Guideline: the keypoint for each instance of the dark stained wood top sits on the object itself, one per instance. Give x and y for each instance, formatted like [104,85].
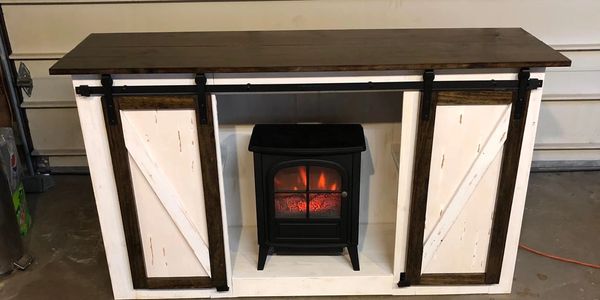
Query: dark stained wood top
[304,51]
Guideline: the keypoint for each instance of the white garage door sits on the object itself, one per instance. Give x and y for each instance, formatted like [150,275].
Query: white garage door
[40,31]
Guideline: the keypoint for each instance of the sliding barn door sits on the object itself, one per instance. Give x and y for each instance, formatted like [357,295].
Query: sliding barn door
[165,169]
[466,162]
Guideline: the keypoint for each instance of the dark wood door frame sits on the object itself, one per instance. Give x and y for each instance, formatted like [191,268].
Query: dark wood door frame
[504,198]
[122,172]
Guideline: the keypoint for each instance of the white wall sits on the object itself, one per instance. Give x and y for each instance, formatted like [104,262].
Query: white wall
[41,31]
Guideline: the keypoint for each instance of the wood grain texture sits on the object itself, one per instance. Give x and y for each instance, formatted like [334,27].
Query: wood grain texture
[506,190]
[474,97]
[466,190]
[420,184]
[167,193]
[504,197]
[155,102]
[179,282]
[307,51]
[121,169]
[129,216]
[212,198]
[452,279]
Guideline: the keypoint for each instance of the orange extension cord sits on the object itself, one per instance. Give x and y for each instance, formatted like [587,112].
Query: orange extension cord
[563,259]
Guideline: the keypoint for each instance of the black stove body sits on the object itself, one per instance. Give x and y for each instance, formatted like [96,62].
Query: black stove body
[307,180]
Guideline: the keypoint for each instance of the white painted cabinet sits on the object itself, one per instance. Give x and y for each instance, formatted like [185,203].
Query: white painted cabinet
[160,137]
[442,181]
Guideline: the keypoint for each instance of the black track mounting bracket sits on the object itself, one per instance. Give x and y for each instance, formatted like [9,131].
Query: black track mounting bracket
[83,90]
[107,99]
[404,282]
[201,99]
[522,91]
[222,288]
[428,77]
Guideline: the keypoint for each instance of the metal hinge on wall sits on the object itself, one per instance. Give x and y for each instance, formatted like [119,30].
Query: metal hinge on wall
[24,80]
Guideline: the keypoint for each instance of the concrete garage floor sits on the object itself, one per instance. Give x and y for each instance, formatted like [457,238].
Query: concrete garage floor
[562,216]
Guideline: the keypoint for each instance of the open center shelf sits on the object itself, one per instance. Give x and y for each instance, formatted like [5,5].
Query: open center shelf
[376,252]
[314,274]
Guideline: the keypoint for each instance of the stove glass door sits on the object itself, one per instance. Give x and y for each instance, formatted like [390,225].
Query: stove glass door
[316,196]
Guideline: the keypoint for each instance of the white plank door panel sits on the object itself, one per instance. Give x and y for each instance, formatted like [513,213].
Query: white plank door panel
[464,245]
[467,141]
[166,250]
[107,199]
[156,141]
[485,154]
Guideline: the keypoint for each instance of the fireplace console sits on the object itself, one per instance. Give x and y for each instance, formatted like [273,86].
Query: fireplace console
[449,117]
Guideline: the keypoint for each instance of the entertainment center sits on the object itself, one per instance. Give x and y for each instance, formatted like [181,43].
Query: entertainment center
[433,129]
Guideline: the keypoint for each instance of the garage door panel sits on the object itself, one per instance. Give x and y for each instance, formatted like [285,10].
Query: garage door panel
[48,91]
[41,31]
[52,29]
[68,162]
[578,80]
[55,129]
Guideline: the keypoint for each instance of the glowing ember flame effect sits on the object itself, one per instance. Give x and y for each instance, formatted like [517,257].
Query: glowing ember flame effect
[290,205]
[291,179]
[303,176]
[297,179]
[324,205]
[321,183]
[321,205]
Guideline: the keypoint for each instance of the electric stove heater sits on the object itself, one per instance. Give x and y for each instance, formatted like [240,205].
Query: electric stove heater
[307,188]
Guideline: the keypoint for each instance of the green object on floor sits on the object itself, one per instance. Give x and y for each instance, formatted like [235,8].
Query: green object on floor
[21,209]
[11,167]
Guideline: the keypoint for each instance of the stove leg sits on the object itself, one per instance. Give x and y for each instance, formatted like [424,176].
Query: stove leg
[263,251]
[353,252]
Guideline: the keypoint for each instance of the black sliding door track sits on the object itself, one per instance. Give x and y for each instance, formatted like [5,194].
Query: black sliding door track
[85,90]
